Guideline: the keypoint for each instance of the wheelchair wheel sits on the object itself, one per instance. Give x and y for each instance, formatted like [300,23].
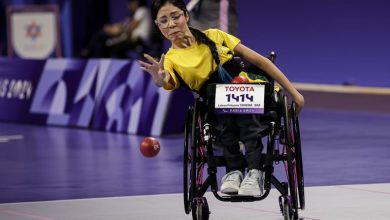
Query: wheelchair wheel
[298,156]
[188,180]
[286,210]
[190,157]
[186,159]
[200,209]
[290,160]
[286,207]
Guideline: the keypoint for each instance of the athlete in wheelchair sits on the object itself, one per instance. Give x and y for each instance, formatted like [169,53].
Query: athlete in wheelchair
[279,124]
[204,62]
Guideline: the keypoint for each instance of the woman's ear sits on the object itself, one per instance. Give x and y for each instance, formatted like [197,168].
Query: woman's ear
[187,15]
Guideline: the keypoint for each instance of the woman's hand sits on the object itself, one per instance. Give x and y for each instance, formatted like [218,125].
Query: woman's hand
[299,101]
[155,69]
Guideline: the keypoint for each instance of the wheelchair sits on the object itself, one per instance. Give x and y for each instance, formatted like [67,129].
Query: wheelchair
[283,145]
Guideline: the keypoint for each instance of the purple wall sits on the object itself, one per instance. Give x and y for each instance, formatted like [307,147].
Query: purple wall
[322,41]
[327,41]
[117,10]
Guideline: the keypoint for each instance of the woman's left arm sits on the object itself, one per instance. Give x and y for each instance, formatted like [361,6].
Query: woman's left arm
[274,72]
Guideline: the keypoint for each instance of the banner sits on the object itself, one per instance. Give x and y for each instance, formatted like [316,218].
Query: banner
[18,80]
[33,31]
[104,94]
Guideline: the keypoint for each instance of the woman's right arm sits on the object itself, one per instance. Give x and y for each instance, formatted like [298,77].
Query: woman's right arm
[156,69]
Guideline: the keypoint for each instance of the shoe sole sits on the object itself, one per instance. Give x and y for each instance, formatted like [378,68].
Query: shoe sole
[248,193]
[230,191]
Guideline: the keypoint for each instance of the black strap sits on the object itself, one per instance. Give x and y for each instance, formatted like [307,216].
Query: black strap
[233,67]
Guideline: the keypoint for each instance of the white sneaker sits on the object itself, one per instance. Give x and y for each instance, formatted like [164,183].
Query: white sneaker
[252,185]
[231,182]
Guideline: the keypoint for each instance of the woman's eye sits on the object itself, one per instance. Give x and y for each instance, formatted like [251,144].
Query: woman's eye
[163,21]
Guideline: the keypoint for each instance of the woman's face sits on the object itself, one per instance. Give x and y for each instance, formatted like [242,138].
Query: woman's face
[172,22]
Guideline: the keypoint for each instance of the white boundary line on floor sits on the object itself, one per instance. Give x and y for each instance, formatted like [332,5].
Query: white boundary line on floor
[7,138]
[342,89]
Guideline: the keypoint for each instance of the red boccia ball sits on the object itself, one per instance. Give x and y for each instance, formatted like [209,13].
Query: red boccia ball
[240,79]
[149,147]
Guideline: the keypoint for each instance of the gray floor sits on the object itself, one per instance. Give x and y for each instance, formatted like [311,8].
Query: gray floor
[342,202]
[79,174]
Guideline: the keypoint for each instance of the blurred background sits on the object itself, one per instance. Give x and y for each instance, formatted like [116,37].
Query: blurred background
[69,65]
[326,41]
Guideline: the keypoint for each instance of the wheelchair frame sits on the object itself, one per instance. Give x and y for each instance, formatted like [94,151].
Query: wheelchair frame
[198,151]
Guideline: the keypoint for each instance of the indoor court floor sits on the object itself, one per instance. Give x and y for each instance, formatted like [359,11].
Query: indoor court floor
[59,173]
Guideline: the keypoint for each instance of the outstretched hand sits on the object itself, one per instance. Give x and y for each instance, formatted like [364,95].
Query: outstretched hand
[156,69]
[299,101]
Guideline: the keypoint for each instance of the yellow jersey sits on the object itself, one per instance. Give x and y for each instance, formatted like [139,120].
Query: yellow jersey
[195,64]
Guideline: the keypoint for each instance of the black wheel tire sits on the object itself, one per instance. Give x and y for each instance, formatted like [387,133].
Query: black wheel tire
[190,145]
[200,209]
[298,157]
[290,163]
[186,158]
[286,210]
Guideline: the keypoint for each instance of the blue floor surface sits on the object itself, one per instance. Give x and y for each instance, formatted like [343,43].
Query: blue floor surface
[51,163]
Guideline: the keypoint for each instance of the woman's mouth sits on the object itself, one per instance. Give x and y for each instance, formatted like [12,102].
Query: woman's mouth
[174,34]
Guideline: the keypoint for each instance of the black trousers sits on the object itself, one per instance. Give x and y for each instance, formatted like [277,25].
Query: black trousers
[244,128]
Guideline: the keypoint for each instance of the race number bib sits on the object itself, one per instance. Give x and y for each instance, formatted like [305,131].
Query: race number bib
[239,98]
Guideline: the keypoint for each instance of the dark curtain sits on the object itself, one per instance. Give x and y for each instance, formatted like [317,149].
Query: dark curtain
[88,16]
[3,39]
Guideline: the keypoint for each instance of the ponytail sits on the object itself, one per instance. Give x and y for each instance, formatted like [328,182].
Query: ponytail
[200,37]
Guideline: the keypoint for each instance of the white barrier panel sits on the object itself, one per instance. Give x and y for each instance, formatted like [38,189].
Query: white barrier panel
[33,31]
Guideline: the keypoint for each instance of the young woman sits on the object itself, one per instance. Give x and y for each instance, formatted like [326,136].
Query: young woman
[192,62]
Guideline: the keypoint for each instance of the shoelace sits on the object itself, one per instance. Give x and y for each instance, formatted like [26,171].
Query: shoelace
[233,177]
[252,179]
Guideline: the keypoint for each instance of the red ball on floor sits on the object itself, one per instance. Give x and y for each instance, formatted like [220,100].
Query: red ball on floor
[149,147]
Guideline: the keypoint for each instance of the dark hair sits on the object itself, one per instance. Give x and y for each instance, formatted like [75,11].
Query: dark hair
[158,4]
[200,37]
